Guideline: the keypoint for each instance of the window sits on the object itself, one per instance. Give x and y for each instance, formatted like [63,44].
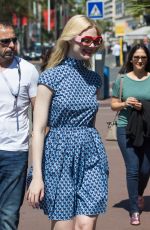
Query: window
[119,8]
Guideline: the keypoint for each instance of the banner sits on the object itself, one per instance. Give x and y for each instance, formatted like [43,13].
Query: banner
[52,19]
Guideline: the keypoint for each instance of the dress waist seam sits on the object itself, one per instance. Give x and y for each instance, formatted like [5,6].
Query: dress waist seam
[75,128]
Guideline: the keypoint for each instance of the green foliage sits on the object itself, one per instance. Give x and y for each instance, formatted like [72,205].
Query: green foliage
[137,7]
[19,7]
[106,26]
[80,7]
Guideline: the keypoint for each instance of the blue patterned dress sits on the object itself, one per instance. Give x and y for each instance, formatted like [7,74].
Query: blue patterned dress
[75,168]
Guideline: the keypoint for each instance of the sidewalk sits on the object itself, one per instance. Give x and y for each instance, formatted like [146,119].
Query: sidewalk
[116,217]
[105,102]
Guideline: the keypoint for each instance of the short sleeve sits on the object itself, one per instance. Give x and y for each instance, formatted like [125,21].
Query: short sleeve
[33,82]
[116,88]
[50,78]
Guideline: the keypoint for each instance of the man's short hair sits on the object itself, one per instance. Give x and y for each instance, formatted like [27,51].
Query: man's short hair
[6,24]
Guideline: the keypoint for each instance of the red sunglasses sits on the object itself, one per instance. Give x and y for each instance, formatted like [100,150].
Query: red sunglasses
[88,40]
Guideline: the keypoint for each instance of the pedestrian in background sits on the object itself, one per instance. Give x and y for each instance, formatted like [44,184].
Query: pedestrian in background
[17,89]
[116,53]
[70,170]
[146,42]
[135,148]
[124,51]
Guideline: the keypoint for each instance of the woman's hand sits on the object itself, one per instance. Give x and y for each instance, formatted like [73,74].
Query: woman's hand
[133,102]
[138,106]
[35,192]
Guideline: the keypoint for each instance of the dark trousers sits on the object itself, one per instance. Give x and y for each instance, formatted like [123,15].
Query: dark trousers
[117,60]
[13,169]
[137,162]
[124,57]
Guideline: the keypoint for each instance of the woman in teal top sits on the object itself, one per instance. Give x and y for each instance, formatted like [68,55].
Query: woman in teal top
[135,88]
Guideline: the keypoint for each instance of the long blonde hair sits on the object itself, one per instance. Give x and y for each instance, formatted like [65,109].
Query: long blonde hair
[75,26]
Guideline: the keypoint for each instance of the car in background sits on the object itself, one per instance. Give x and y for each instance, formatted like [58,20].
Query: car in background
[26,54]
[37,50]
[33,54]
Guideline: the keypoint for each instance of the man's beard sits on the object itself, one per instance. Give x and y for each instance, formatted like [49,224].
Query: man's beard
[7,55]
[6,58]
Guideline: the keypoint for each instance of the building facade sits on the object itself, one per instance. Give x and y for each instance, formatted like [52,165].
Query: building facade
[115,12]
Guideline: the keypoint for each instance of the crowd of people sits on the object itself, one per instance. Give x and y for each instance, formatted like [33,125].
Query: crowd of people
[121,49]
[69,174]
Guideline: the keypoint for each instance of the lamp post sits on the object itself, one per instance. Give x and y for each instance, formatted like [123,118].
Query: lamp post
[49,15]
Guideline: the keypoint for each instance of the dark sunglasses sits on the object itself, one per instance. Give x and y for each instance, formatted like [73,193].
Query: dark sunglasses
[136,58]
[7,41]
[88,40]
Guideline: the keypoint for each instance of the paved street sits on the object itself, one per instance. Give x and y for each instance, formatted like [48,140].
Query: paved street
[116,217]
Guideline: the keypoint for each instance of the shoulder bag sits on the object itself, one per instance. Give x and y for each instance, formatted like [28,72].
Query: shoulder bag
[112,125]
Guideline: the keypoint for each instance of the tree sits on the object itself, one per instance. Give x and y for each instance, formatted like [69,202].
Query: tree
[81,6]
[20,8]
[137,7]
[106,26]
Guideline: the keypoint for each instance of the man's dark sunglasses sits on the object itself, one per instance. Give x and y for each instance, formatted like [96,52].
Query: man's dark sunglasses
[7,41]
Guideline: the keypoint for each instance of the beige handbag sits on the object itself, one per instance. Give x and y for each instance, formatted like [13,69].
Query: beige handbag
[112,130]
[112,125]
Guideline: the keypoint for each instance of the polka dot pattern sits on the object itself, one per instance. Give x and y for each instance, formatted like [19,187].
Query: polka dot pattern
[75,167]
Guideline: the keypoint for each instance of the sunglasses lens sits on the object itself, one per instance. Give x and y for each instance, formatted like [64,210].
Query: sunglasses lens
[4,41]
[98,41]
[8,40]
[89,40]
[86,41]
[143,58]
[14,40]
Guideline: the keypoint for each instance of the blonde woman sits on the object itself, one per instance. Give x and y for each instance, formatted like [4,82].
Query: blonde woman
[70,170]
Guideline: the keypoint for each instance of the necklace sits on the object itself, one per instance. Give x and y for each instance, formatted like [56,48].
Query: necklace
[14,94]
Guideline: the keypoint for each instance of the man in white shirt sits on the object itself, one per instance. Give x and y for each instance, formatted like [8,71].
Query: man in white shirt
[116,53]
[17,90]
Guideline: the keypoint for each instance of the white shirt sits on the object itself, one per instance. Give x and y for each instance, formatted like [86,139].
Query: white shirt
[12,139]
[116,50]
[125,49]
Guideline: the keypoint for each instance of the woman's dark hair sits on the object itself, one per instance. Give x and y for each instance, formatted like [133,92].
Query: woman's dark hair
[128,66]
[46,53]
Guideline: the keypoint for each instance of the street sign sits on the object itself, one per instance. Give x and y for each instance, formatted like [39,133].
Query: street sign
[95,9]
[120,29]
